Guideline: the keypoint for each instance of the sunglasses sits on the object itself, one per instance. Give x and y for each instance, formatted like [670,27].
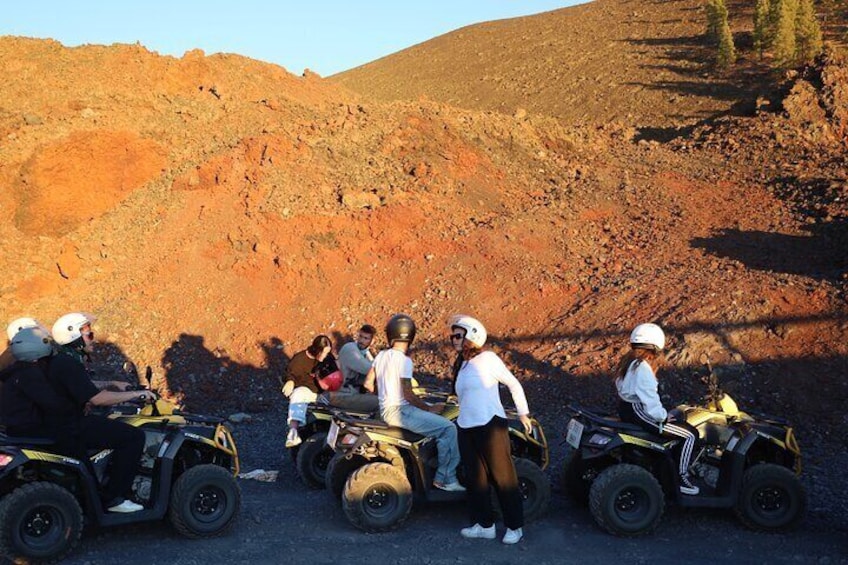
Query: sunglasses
[457,336]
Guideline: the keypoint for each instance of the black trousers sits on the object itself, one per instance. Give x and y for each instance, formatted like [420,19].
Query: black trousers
[486,456]
[635,414]
[127,443]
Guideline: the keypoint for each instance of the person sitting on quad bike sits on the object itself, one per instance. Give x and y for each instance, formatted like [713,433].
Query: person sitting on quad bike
[77,431]
[355,359]
[71,343]
[400,407]
[7,358]
[28,398]
[639,402]
[310,372]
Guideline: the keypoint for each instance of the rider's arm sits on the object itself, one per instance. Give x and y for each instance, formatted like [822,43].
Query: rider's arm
[646,390]
[352,360]
[410,396]
[369,380]
[505,377]
[108,397]
[120,385]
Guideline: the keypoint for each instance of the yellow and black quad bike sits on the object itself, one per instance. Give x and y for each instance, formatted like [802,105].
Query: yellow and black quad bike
[378,470]
[313,455]
[746,462]
[187,471]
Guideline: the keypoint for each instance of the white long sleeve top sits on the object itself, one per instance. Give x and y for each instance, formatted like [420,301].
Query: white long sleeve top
[640,385]
[477,390]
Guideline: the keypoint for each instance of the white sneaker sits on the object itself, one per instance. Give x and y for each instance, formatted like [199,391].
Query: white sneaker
[478,532]
[293,438]
[513,536]
[126,507]
[450,487]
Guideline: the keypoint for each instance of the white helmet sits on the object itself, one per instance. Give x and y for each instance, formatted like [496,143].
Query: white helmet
[21,323]
[67,328]
[474,330]
[648,335]
[31,344]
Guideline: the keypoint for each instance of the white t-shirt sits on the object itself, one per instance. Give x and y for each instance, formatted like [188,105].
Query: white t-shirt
[640,385]
[477,390]
[390,366]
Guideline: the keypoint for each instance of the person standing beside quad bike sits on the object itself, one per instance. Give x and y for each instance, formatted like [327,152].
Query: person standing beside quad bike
[639,402]
[400,407]
[310,372]
[78,431]
[484,443]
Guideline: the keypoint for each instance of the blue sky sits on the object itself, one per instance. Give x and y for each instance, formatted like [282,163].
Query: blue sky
[324,36]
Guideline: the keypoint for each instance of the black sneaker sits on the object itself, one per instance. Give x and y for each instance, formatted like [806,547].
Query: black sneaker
[686,487]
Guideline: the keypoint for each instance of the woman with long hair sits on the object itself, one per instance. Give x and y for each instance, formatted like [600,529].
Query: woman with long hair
[639,401]
[305,381]
[483,431]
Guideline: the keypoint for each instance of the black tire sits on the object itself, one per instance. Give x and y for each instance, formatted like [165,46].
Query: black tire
[626,500]
[377,497]
[205,502]
[573,483]
[772,498]
[534,487]
[338,471]
[312,460]
[39,522]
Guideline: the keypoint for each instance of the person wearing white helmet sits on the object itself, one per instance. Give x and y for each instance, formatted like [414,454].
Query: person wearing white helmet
[82,431]
[483,431]
[391,374]
[639,401]
[29,404]
[74,335]
[6,358]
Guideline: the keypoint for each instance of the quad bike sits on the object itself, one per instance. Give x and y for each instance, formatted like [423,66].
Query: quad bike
[378,469]
[313,455]
[746,462]
[187,471]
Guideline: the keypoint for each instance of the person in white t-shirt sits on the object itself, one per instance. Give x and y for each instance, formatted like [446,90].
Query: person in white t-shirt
[483,431]
[400,407]
[639,401]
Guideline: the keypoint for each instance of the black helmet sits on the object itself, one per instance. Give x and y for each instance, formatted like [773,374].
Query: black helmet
[400,327]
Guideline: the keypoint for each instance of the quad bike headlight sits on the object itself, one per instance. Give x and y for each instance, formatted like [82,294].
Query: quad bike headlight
[5,459]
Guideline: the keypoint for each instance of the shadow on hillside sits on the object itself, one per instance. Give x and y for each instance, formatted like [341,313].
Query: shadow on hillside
[820,255]
[693,75]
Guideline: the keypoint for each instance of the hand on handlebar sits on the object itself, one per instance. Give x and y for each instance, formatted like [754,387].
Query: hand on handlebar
[147,396]
[527,423]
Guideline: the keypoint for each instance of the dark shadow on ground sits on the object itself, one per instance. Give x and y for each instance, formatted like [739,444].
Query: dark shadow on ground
[821,255]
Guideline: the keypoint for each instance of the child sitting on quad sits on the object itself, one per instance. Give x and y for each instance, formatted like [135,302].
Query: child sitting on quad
[639,402]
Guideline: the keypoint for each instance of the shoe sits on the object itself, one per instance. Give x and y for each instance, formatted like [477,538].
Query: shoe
[449,487]
[686,487]
[293,438]
[513,536]
[478,532]
[126,507]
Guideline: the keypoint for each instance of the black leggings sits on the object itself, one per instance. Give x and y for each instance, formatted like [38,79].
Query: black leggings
[487,458]
[127,443]
[634,413]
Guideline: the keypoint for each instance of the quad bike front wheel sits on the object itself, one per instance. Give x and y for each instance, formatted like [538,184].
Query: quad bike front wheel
[626,500]
[534,487]
[772,498]
[377,497]
[205,501]
[39,522]
[312,460]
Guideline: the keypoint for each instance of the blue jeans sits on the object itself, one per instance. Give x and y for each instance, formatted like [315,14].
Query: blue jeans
[432,425]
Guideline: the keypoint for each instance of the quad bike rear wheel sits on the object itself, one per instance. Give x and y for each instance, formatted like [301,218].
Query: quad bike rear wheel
[205,501]
[312,460]
[626,500]
[338,470]
[39,522]
[377,497]
[771,499]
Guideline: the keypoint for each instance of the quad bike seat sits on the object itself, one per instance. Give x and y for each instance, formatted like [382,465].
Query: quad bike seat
[382,427]
[25,441]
